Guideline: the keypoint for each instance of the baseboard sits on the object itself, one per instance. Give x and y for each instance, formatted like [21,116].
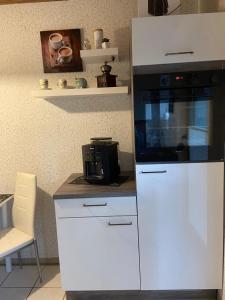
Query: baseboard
[143,295]
[32,261]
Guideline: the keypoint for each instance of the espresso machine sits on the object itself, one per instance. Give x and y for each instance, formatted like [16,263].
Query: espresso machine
[100,161]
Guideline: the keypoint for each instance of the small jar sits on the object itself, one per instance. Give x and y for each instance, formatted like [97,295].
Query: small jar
[62,83]
[98,36]
[43,84]
[80,83]
[86,45]
[105,45]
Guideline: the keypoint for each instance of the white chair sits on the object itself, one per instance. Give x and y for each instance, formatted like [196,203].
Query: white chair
[21,235]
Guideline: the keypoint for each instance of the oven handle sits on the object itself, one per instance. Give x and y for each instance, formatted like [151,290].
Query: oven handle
[94,205]
[179,53]
[153,172]
[120,224]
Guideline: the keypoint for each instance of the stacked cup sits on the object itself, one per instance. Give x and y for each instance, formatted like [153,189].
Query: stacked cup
[43,84]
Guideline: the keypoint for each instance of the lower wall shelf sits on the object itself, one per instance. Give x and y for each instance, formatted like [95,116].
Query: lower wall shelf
[63,93]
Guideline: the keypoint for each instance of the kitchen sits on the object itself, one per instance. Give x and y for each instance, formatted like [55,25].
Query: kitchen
[44,137]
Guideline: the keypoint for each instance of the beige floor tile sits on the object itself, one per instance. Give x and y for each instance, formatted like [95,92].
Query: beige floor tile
[46,294]
[3,274]
[22,278]
[51,277]
[14,293]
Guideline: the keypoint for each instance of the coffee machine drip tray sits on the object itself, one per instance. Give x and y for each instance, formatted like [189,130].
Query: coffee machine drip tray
[82,181]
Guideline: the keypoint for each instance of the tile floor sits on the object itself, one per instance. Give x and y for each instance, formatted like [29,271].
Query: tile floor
[24,284]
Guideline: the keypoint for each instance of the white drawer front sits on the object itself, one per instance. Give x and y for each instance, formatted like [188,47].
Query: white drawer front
[92,207]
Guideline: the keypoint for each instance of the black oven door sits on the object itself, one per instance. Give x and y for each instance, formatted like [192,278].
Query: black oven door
[179,117]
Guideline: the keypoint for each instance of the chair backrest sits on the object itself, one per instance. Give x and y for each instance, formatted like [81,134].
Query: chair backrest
[23,210]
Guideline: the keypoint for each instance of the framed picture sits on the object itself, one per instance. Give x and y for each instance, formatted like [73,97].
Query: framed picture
[61,51]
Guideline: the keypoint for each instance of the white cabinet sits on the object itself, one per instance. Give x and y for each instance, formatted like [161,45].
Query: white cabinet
[180,216]
[98,251]
[178,39]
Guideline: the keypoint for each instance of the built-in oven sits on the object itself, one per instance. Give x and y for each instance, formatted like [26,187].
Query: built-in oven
[179,117]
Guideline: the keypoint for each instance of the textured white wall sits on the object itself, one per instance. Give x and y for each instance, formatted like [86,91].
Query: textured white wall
[44,137]
[204,6]
[221,5]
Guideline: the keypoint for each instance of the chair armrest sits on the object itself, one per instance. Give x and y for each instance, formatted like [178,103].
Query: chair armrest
[6,201]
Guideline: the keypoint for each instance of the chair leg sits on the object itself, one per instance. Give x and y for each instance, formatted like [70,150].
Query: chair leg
[20,259]
[8,264]
[37,259]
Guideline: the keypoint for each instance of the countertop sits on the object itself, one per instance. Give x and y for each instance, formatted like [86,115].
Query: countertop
[68,190]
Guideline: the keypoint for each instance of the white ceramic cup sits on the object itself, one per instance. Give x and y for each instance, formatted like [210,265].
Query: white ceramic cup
[56,40]
[65,55]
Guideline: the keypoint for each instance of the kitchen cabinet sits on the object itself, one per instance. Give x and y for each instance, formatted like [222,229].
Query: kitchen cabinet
[180,221]
[178,39]
[98,243]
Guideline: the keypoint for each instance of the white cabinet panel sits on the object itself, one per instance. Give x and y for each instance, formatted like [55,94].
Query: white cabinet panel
[89,207]
[166,39]
[97,254]
[180,215]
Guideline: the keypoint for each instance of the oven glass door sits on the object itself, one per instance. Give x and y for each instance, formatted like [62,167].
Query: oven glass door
[179,124]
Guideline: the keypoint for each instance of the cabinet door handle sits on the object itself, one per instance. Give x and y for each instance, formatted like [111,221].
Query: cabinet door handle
[120,224]
[153,172]
[94,205]
[179,53]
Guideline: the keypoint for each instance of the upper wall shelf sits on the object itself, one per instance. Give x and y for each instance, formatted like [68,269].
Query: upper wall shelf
[95,56]
[63,93]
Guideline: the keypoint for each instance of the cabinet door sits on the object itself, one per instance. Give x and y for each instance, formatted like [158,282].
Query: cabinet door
[180,215]
[99,253]
[178,39]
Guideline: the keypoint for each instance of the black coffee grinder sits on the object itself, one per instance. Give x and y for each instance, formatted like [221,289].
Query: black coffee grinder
[106,79]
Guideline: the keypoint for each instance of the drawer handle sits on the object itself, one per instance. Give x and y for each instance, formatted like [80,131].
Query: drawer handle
[120,224]
[153,172]
[179,53]
[94,205]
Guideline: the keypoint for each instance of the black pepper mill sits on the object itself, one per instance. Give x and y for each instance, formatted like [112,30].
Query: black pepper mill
[106,79]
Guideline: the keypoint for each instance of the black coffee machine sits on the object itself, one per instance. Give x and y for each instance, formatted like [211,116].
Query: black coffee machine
[100,161]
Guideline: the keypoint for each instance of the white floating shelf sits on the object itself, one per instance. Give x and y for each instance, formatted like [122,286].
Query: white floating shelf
[95,56]
[63,93]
